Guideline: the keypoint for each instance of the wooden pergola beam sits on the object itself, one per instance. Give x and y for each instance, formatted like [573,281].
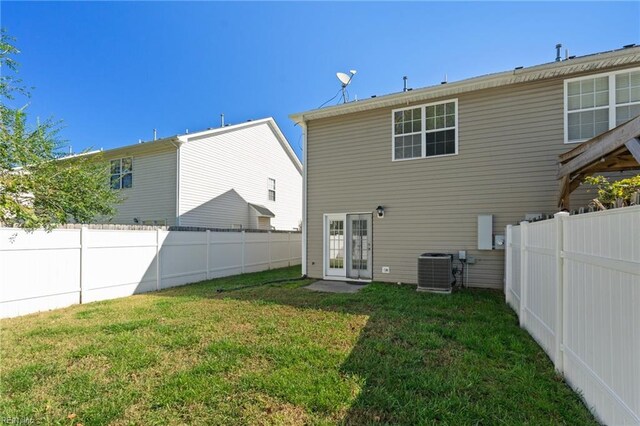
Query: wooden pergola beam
[634,148]
[615,150]
[611,141]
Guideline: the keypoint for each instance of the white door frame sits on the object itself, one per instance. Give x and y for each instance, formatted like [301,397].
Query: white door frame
[336,275]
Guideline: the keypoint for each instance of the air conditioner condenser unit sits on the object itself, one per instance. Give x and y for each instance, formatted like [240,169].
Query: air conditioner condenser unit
[435,272]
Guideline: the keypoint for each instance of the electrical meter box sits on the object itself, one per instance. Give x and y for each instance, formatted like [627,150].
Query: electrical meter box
[485,232]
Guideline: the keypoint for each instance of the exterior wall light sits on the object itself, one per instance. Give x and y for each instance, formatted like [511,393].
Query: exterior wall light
[380,211]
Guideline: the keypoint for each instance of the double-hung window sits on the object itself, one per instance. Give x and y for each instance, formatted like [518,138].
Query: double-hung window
[122,173]
[271,189]
[422,131]
[599,103]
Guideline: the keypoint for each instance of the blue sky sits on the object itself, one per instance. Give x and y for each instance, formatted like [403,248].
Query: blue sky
[115,71]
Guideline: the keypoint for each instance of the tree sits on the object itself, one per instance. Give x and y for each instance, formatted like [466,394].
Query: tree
[618,193]
[39,187]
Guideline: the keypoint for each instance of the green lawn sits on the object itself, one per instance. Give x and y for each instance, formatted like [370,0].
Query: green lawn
[280,354]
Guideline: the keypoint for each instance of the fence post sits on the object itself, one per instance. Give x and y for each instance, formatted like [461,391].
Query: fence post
[83,259]
[158,269]
[559,243]
[508,267]
[208,236]
[243,249]
[523,272]
[289,247]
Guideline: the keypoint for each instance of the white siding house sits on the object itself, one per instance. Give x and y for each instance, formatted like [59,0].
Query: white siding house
[244,175]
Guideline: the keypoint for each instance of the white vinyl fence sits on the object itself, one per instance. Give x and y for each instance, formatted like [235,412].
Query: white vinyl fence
[575,283]
[46,270]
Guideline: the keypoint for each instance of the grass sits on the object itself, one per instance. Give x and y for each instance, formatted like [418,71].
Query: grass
[280,354]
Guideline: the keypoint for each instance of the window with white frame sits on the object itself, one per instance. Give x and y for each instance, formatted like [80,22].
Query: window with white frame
[122,173]
[271,189]
[425,131]
[598,103]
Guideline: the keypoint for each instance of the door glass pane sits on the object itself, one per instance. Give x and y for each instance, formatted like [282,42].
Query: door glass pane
[359,244]
[336,244]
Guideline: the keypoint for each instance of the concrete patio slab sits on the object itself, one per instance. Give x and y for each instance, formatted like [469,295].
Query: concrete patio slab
[336,286]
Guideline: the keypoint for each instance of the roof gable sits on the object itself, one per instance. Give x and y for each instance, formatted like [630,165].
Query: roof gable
[175,141]
[273,126]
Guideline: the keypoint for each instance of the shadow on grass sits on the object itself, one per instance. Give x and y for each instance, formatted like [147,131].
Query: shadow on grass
[282,354]
[422,358]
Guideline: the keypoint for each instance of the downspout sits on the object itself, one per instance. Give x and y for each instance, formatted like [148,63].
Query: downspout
[303,126]
[177,143]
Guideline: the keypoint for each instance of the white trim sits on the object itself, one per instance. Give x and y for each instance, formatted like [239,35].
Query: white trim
[612,100]
[357,280]
[423,132]
[303,126]
[178,159]
[325,257]
[285,144]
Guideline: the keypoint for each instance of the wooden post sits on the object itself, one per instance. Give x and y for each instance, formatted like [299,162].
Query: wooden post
[565,193]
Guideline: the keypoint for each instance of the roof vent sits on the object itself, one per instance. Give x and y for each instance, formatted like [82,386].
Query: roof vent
[519,68]
[558,47]
[626,46]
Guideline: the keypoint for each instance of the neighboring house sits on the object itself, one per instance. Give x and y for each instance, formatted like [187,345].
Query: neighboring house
[439,160]
[240,176]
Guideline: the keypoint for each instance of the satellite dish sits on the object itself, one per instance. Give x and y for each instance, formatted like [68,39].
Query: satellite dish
[344,78]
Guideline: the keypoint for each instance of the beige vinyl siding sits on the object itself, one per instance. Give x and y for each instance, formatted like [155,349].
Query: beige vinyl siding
[509,141]
[153,194]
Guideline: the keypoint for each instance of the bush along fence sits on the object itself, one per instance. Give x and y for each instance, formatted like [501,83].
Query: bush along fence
[574,282]
[46,270]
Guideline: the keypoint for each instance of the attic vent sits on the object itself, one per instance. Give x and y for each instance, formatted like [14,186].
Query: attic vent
[435,273]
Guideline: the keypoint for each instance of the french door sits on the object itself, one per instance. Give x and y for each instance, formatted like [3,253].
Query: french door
[348,246]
